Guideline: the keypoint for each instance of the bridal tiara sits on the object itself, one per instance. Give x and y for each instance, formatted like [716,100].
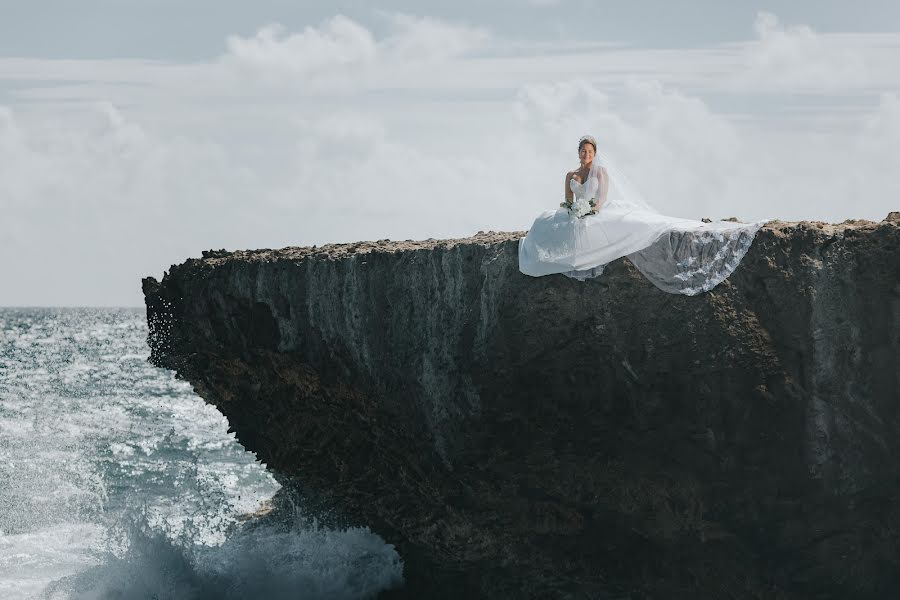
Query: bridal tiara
[588,138]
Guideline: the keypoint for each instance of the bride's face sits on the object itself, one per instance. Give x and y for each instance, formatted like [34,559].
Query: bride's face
[586,154]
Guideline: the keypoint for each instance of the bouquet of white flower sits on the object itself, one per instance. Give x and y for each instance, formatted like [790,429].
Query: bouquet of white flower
[579,208]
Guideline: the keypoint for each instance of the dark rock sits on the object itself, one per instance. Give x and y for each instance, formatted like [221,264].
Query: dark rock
[215,253]
[523,437]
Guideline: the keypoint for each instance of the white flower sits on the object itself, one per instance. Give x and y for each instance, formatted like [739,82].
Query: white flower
[580,208]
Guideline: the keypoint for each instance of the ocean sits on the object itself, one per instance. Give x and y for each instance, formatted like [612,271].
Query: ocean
[117,481]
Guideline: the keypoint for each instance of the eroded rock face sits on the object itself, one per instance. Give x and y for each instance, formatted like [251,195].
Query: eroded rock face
[543,437]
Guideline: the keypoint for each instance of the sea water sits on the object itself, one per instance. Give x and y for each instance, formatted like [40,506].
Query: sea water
[118,481]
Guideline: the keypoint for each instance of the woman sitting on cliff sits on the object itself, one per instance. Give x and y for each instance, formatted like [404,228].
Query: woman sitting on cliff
[603,219]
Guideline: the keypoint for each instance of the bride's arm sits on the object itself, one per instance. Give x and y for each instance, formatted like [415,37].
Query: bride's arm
[603,190]
[569,176]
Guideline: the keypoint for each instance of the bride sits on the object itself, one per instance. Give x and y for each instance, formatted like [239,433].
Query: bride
[677,255]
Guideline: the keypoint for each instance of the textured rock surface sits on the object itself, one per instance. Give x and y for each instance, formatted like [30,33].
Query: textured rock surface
[543,437]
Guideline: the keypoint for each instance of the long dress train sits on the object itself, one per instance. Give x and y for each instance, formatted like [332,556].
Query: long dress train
[677,255]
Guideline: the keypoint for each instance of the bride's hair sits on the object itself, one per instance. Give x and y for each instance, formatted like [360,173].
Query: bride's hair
[587,139]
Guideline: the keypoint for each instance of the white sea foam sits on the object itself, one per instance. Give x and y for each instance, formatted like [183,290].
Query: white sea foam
[30,562]
[258,562]
[119,482]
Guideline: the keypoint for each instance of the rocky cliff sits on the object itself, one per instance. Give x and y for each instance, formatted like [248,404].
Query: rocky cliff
[543,437]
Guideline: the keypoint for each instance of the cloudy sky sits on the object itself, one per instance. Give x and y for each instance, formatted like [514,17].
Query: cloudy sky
[137,133]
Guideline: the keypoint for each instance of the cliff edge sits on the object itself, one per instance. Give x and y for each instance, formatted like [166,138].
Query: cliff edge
[543,437]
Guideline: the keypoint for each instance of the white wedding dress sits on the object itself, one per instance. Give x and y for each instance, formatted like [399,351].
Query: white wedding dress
[677,255]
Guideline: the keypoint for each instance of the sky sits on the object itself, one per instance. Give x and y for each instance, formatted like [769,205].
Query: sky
[135,134]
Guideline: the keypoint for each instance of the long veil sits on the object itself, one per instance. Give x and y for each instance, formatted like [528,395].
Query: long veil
[621,191]
[681,256]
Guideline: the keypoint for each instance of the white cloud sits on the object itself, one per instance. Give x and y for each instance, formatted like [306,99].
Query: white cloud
[796,57]
[112,170]
[429,39]
[872,160]
[882,127]
[337,49]
[90,204]
[343,54]
[559,102]
[689,161]
[350,131]
[111,200]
